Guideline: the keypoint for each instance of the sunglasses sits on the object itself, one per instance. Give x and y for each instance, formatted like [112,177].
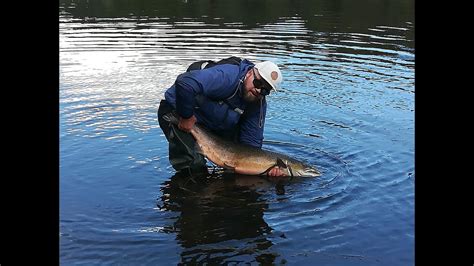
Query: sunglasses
[261,84]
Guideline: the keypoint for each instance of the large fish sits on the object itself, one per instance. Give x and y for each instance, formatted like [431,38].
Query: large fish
[243,159]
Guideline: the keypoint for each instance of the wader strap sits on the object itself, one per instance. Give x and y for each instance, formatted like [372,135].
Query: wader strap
[235,108]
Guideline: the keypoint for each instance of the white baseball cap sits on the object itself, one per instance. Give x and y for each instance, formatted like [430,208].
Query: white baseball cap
[271,73]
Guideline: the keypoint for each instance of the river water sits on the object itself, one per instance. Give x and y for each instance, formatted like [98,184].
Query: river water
[347,106]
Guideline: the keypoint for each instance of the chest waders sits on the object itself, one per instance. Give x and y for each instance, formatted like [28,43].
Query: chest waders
[182,154]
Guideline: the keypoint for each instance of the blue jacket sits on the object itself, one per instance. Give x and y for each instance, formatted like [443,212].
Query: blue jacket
[202,93]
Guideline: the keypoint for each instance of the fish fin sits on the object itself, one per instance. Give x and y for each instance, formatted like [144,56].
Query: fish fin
[280,163]
[198,149]
[228,166]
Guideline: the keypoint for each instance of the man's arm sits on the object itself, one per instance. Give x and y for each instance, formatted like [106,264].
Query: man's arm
[187,88]
[213,82]
[251,131]
[251,128]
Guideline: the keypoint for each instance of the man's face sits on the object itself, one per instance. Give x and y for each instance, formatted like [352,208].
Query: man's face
[251,94]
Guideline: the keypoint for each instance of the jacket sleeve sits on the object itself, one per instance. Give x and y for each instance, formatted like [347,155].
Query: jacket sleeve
[251,130]
[215,83]
[186,89]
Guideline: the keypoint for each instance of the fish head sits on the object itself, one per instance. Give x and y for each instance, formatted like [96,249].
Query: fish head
[302,169]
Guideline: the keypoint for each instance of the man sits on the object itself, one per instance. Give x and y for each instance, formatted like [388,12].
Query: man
[228,98]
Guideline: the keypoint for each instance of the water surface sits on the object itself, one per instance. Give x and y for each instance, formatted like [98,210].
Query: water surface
[347,106]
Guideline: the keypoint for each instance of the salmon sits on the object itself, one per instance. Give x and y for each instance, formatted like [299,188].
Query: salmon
[243,159]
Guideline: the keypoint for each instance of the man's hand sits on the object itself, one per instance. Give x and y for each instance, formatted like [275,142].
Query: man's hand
[187,124]
[276,171]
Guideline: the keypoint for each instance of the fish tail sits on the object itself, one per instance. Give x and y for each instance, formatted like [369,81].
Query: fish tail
[171,117]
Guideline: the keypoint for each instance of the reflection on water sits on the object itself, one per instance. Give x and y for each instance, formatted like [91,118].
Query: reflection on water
[347,106]
[215,213]
[221,216]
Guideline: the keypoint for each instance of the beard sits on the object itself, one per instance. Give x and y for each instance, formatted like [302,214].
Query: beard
[249,97]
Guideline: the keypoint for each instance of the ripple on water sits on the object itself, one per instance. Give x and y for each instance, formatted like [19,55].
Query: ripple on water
[346,107]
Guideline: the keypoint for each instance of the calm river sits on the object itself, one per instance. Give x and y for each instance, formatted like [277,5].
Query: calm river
[347,106]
